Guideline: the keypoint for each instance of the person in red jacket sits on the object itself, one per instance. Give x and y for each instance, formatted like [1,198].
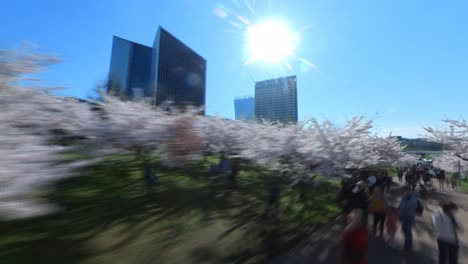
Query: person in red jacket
[355,239]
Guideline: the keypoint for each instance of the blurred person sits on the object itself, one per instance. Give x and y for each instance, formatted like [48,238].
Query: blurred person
[387,181]
[413,179]
[149,177]
[371,181]
[407,212]
[234,171]
[400,174]
[378,208]
[423,191]
[441,178]
[224,166]
[454,180]
[380,181]
[344,195]
[360,199]
[274,190]
[355,239]
[446,229]
[448,180]
[406,176]
[391,225]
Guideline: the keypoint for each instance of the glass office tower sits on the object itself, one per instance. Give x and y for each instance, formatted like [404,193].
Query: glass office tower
[178,73]
[169,71]
[130,68]
[276,99]
[244,107]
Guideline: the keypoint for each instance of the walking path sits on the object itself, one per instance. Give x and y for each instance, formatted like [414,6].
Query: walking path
[324,248]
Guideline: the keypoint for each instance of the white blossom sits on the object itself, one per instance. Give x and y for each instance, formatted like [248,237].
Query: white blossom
[30,119]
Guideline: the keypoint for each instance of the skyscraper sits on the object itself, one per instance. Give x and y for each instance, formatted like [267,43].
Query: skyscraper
[276,99]
[178,73]
[169,71]
[244,107]
[130,68]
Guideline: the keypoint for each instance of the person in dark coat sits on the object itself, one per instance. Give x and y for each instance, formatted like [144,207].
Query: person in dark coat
[360,199]
[400,174]
[234,171]
[344,196]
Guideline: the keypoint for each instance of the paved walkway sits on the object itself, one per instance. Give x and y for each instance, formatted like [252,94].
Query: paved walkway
[324,248]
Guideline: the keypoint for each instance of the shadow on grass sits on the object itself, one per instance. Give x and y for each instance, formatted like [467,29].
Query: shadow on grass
[111,197]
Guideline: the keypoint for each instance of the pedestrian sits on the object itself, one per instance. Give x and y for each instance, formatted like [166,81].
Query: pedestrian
[454,180]
[224,167]
[149,177]
[400,174]
[388,180]
[407,210]
[446,230]
[234,172]
[371,181]
[344,195]
[355,239]
[274,189]
[391,225]
[448,180]
[380,181]
[359,199]
[441,178]
[378,208]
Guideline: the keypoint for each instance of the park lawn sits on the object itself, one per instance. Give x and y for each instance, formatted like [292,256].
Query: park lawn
[189,218]
[464,186]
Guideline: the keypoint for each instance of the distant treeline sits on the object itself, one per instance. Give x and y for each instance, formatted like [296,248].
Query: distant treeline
[420,144]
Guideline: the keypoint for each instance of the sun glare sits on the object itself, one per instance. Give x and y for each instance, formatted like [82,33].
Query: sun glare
[270,41]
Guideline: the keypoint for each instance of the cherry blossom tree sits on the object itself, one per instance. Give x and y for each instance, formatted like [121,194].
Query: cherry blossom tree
[407,160]
[449,162]
[138,127]
[453,135]
[27,120]
[30,119]
[308,147]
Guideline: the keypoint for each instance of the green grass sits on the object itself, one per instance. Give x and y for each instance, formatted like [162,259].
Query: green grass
[189,218]
[464,186]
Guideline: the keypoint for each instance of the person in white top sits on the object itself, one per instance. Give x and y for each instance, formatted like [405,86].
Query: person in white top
[446,229]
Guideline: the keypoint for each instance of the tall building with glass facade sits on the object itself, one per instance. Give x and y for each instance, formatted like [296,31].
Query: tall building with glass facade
[276,99]
[244,107]
[130,68]
[178,73]
[169,71]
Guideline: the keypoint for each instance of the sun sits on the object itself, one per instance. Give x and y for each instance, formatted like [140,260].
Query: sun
[270,41]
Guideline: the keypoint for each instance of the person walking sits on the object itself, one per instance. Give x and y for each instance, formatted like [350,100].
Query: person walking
[391,224]
[345,194]
[407,210]
[224,167]
[274,190]
[388,181]
[149,177]
[371,181]
[405,175]
[454,180]
[446,229]
[359,199]
[235,168]
[378,208]
[441,178]
[355,239]
[400,174]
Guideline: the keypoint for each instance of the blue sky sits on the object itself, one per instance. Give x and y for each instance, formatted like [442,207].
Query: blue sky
[402,62]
